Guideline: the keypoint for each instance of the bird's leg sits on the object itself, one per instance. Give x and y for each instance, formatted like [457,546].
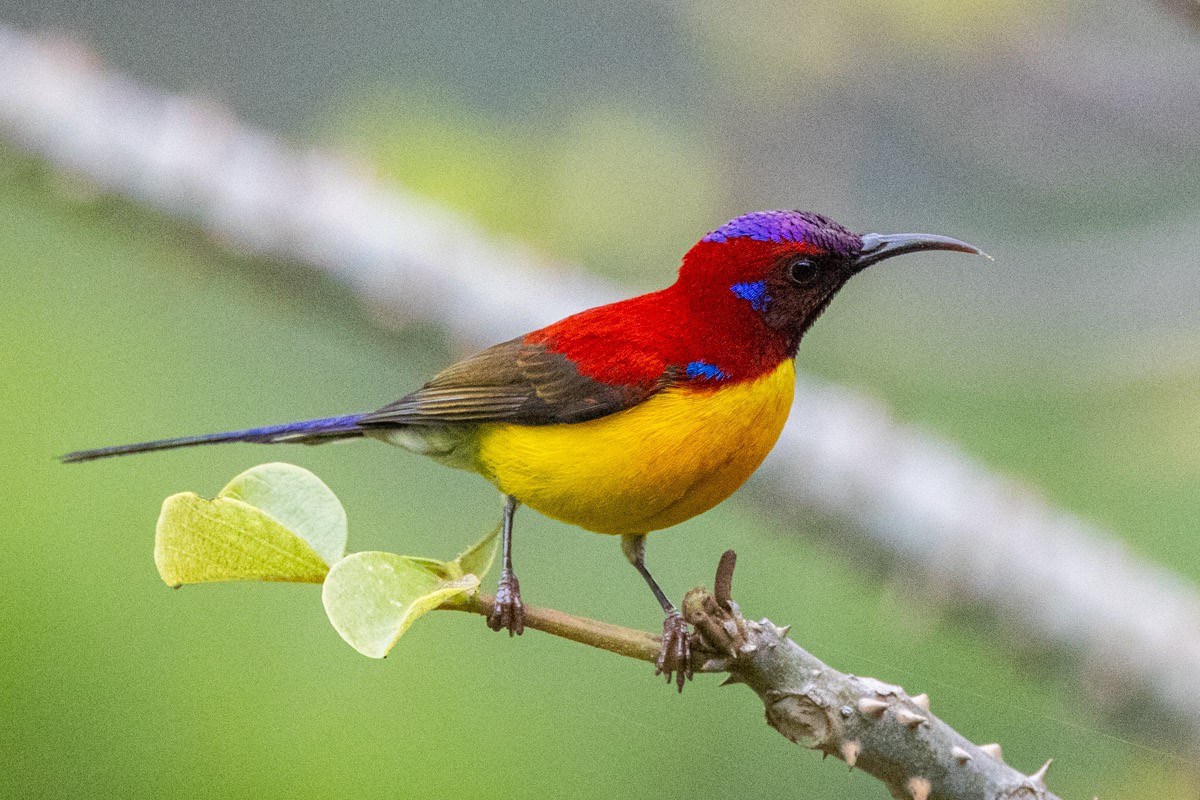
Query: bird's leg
[508,610]
[675,655]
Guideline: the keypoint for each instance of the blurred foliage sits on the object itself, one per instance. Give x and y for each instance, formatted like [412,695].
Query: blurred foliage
[799,46]
[610,185]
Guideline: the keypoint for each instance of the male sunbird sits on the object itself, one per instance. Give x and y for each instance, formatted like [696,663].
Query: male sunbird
[634,416]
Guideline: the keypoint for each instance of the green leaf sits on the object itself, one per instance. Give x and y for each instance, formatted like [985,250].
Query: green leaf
[446,570]
[200,540]
[275,522]
[298,500]
[372,598]
[478,558]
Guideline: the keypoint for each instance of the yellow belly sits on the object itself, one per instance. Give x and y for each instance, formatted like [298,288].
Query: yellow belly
[655,465]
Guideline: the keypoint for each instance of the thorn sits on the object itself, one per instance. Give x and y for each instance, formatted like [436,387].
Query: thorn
[723,583]
[922,701]
[993,750]
[731,679]
[754,626]
[1039,777]
[871,707]
[748,648]
[909,719]
[714,665]
[919,788]
[960,755]
[783,630]
[850,751]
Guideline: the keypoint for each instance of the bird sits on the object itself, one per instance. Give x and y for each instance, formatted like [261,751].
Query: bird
[630,417]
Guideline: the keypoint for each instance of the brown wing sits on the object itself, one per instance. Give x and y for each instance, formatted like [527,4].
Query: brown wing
[512,382]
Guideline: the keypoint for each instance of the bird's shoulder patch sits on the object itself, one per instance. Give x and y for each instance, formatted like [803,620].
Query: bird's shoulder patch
[704,371]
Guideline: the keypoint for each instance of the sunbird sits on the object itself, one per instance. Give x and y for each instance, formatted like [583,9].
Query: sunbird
[630,417]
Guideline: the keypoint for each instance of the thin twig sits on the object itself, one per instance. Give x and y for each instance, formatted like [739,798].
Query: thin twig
[615,639]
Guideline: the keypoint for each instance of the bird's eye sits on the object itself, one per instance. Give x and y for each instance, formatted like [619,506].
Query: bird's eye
[803,271]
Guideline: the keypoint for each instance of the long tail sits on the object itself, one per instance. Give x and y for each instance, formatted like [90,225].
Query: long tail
[313,431]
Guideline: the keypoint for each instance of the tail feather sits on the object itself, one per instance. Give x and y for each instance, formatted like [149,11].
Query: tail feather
[313,431]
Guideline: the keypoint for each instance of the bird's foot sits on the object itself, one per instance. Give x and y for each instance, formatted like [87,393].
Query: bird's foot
[508,611]
[675,656]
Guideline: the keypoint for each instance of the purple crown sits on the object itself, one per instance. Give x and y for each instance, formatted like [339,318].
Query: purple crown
[789,226]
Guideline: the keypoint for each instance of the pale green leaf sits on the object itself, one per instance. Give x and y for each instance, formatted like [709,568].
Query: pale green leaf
[298,500]
[478,558]
[200,540]
[372,598]
[446,570]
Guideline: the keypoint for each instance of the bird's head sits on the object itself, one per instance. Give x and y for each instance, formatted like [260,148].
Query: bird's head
[786,266]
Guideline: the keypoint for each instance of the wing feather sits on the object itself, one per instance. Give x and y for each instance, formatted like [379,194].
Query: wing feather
[515,381]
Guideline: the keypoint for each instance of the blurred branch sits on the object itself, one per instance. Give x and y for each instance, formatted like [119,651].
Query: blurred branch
[871,725]
[946,518]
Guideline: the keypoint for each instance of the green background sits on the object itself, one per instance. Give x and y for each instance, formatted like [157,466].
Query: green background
[1070,363]
[118,686]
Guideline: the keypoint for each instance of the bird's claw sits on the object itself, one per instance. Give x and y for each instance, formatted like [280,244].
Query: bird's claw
[508,611]
[675,656]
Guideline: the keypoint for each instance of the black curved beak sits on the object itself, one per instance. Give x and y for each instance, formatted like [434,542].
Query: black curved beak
[878,246]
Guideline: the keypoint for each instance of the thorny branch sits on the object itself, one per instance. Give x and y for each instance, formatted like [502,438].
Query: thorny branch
[871,725]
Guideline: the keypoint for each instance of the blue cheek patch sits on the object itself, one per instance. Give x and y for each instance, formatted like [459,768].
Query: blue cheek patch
[755,292]
[702,369]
